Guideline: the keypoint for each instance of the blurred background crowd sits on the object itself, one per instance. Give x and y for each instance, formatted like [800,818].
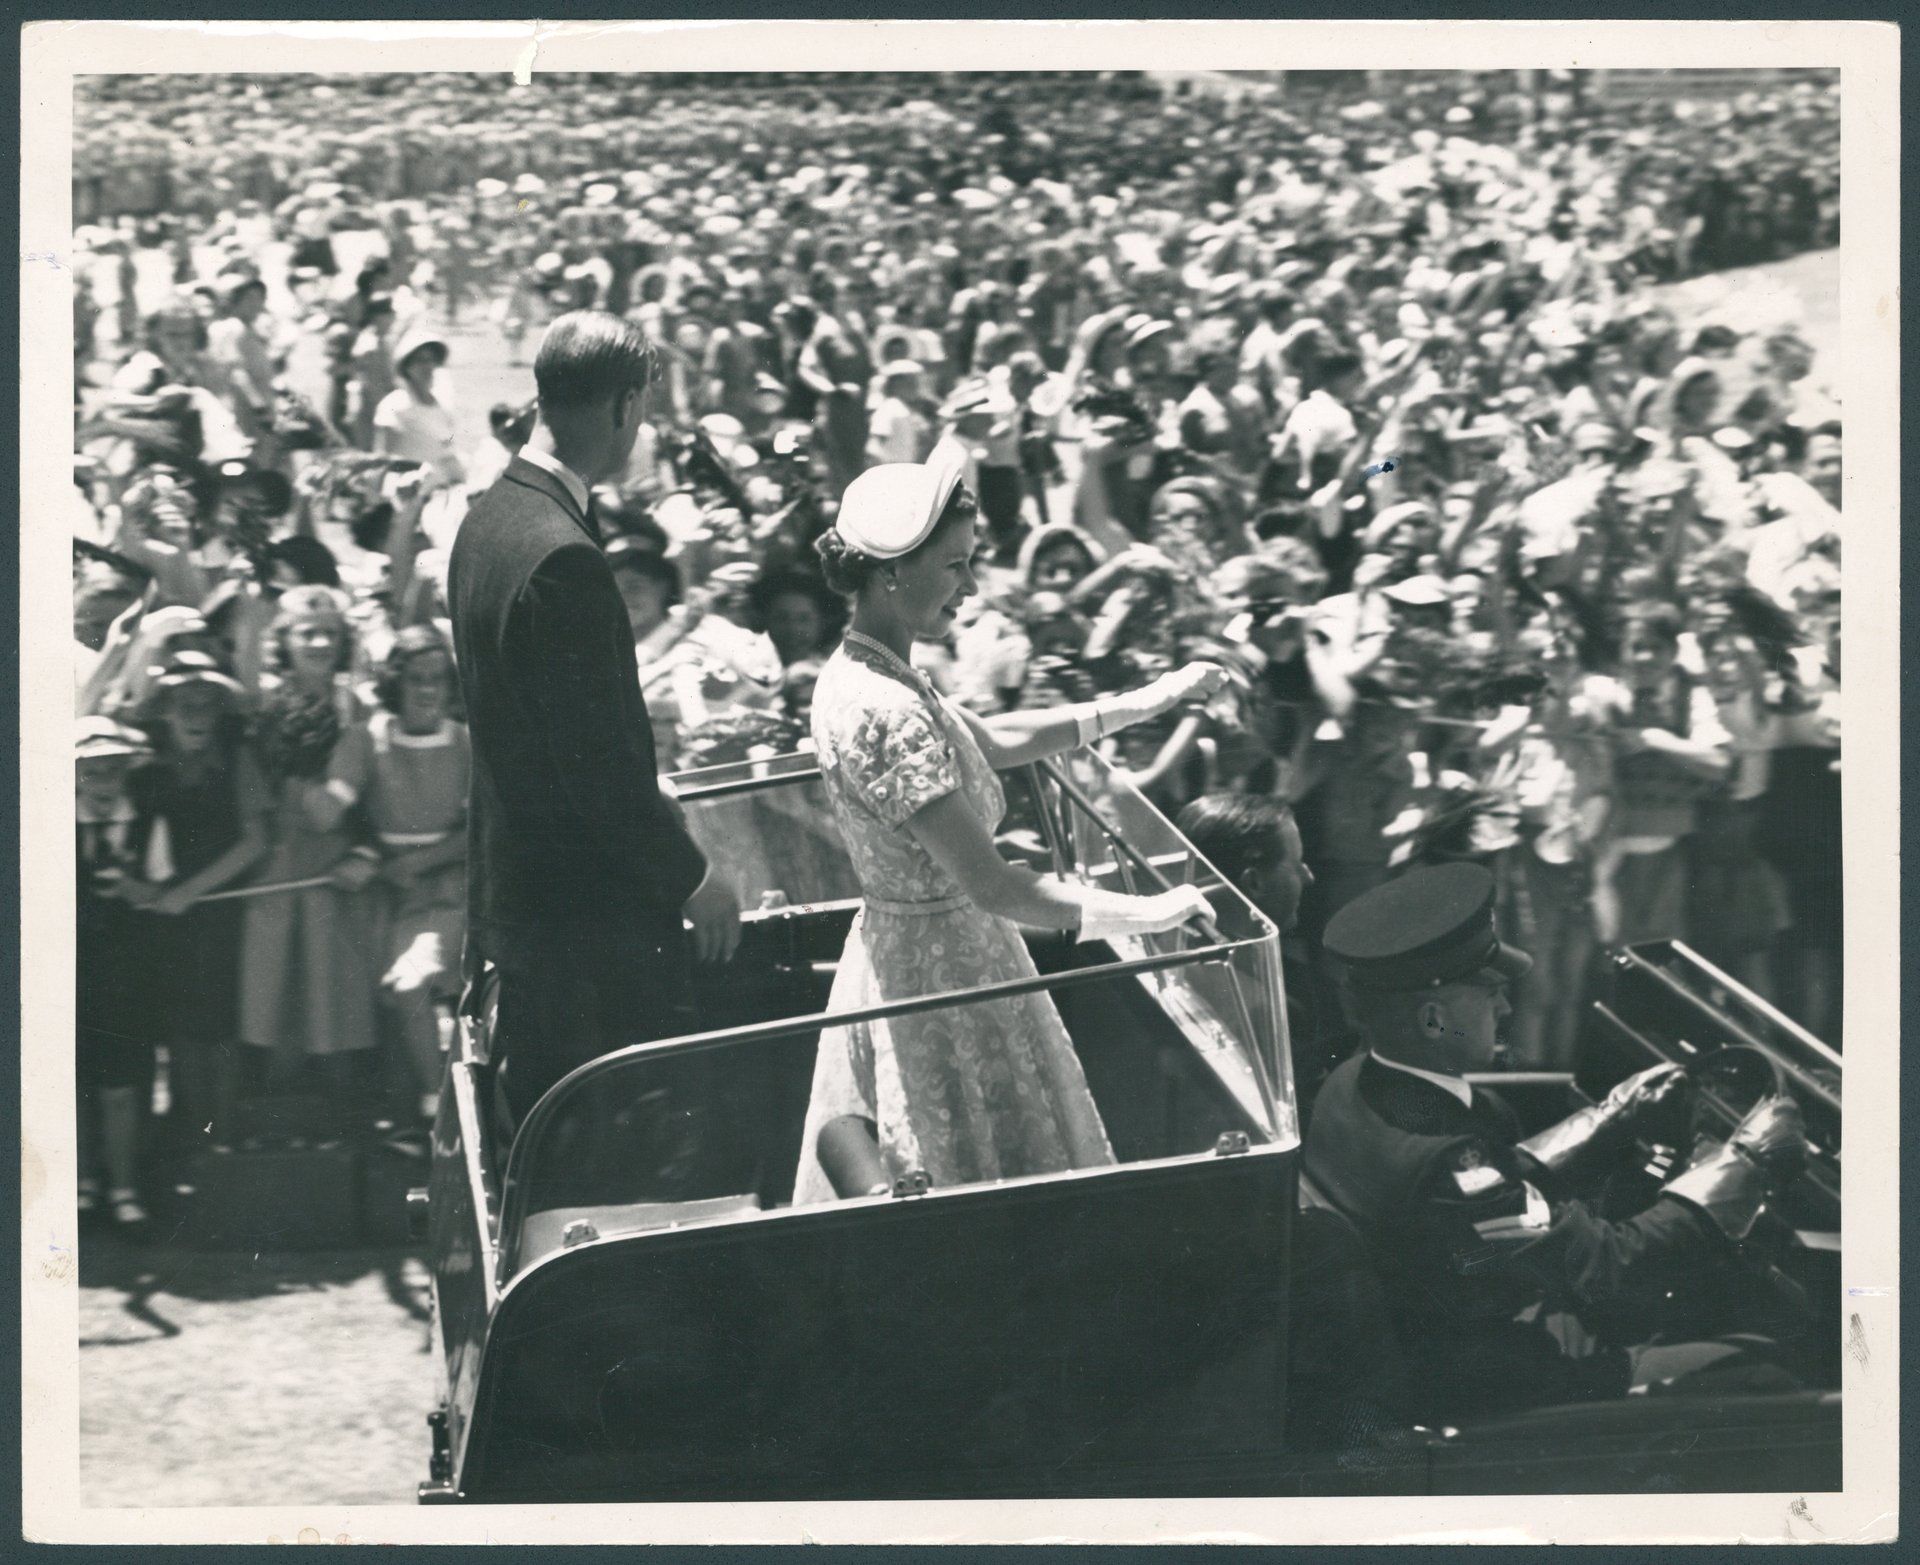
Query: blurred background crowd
[1372,387]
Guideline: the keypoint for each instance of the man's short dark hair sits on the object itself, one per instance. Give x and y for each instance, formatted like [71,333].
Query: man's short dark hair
[588,357]
[1236,831]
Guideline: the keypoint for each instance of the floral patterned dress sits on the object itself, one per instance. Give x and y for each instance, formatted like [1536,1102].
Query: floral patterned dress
[978,1092]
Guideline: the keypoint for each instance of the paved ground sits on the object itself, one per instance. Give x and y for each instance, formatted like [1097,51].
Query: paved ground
[230,1379]
[238,1379]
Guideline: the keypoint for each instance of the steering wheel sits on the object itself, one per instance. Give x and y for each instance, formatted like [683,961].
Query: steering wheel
[1730,1081]
[1723,1084]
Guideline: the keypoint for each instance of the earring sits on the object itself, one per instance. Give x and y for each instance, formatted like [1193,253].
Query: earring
[893,584]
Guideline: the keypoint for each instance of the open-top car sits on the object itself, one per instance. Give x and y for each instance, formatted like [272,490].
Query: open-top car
[629,1306]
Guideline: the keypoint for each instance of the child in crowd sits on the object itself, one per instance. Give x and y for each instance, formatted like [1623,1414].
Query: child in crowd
[114,1048]
[416,804]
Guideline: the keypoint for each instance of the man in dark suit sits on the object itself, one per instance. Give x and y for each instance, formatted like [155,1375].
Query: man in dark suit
[1508,1289]
[579,869]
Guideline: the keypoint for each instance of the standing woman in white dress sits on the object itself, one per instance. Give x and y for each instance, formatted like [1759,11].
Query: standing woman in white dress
[411,422]
[987,1090]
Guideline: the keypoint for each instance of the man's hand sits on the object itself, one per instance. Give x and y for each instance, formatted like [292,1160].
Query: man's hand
[714,912]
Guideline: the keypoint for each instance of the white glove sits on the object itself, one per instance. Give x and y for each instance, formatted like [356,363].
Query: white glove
[1152,915]
[1110,714]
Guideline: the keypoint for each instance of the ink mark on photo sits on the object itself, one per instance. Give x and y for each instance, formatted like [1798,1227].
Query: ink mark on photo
[1857,1340]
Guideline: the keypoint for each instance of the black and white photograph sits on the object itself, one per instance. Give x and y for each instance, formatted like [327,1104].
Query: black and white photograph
[1097,767]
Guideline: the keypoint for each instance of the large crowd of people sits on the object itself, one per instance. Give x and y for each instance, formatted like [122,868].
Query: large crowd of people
[1365,395]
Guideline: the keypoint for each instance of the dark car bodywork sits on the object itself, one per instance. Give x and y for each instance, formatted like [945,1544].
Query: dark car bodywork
[629,1307]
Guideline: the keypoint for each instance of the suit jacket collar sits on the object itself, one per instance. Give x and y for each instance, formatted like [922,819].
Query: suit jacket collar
[530,476]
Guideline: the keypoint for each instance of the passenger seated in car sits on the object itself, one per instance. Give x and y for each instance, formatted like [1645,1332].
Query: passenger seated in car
[1254,841]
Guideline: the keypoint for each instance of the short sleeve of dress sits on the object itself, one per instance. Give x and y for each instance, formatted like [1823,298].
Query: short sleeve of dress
[899,762]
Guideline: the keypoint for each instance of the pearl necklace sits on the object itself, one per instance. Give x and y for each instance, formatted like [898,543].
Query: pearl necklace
[886,654]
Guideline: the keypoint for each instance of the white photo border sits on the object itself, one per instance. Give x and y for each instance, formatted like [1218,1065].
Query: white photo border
[1866,53]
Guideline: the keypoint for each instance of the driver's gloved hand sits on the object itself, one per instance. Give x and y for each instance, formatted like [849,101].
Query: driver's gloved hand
[1656,1106]
[1763,1155]
[1651,1095]
[1652,1091]
[1774,1135]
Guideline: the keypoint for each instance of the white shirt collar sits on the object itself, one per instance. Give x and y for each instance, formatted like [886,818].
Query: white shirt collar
[571,481]
[1452,1084]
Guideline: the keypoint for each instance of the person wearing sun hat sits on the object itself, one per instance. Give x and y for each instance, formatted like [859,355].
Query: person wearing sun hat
[411,422]
[983,423]
[113,1045]
[911,779]
[900,430]
[200,811]
[1479,1234]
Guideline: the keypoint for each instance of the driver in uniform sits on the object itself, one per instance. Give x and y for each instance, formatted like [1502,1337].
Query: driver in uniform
[1505,1288]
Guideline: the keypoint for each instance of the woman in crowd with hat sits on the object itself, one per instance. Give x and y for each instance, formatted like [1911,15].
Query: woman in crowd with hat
[1672,752]
[311,968]
[984,420]
[900,430]
[113,1042]
[108,597]
[984,1091]
[993,654]
[650,588]
[1198,523]
[411,422]
[199,825]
